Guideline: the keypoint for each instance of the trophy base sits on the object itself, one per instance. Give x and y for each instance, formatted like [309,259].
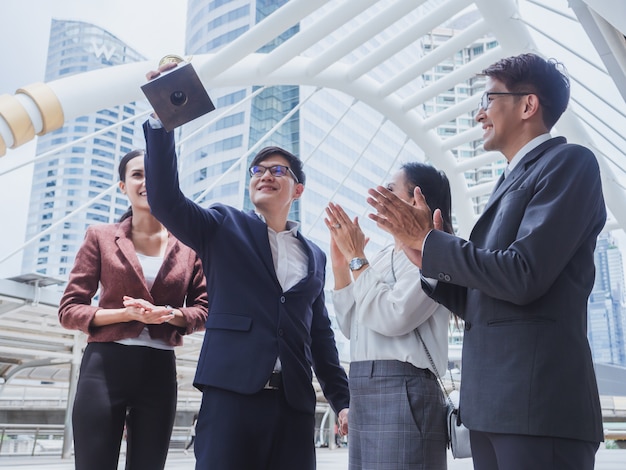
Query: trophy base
[178,97]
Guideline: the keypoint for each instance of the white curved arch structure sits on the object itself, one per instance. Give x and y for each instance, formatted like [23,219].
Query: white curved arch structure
[41,108]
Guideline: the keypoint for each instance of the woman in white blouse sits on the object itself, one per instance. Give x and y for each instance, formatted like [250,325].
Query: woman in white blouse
[397,408]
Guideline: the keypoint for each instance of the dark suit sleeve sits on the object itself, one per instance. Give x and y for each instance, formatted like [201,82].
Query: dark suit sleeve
[538,229]
[451,296]
[330,374]
[189,222]
[196,303]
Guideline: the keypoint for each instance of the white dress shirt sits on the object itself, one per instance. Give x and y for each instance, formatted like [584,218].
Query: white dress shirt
[290,259]
[379,315]
[530,145]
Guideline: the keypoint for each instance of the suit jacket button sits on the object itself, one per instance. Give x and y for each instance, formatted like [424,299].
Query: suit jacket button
[280,332]
[468,326]
[441,276]
[446,278]
[282,299]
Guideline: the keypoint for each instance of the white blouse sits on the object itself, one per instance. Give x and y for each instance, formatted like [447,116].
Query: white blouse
[379,315]
[150,265]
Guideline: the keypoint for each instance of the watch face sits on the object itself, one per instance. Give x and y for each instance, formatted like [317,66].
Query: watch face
[357,263]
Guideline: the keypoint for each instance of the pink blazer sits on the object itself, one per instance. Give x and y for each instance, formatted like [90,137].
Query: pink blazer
[107,259]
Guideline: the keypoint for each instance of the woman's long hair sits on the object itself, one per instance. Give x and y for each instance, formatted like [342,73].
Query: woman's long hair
[435,188]
[122,172]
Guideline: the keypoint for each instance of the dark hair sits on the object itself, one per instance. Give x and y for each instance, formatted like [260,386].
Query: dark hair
[295,164]
[435,188]
[121,169]
[531,73]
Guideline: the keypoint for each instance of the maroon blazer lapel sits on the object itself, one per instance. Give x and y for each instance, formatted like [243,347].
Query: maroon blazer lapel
[123,239]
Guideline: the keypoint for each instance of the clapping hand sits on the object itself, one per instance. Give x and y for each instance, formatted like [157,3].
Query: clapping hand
[346,234]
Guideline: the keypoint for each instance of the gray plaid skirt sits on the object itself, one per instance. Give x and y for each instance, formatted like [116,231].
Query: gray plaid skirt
[397,418]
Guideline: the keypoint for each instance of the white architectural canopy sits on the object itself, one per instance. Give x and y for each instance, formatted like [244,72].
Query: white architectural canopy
[586,35]
[344,44]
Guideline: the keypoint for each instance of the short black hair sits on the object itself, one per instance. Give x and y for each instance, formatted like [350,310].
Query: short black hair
[435,188]
[533,74]
[295,164]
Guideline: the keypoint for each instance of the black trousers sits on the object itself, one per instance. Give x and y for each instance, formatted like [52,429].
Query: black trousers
[119,385]
[253,432]
[491,451]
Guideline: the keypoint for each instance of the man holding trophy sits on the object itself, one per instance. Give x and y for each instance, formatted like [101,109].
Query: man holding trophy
[268,326]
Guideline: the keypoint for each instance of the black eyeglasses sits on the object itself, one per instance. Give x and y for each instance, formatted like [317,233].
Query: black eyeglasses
[275,170]
[485,101]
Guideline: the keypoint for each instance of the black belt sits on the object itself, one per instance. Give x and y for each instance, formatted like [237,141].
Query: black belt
[275,382]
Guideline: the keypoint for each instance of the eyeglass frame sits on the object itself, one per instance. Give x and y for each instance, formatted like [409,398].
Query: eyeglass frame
[270,168]
[485,102]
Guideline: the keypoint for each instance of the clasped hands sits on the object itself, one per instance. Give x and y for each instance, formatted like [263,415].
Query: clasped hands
[143,311]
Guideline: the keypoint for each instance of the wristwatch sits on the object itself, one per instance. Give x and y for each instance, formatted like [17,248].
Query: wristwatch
[358,263]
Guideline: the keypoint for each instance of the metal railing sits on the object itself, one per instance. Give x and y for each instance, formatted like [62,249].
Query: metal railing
[47,439]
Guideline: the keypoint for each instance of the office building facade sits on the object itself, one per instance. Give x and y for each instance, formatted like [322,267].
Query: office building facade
[607,310]
[66,179]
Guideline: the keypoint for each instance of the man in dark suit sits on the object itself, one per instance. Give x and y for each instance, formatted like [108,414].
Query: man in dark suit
[267,323]
[521,282]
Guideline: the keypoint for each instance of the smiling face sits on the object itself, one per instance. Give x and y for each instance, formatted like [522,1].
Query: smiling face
[501,120]
[273,195]
[399,185]
[134,184]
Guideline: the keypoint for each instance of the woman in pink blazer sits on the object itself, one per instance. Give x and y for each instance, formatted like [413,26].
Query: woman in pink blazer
[152,292]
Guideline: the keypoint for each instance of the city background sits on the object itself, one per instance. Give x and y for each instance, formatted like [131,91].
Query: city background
[360,152]
[347,146]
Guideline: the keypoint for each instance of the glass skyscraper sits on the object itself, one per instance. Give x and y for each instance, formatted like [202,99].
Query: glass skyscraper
[66,179]
[346,146]
[607,310]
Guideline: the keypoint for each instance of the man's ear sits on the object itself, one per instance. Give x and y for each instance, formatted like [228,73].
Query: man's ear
[531,106]
[298,190]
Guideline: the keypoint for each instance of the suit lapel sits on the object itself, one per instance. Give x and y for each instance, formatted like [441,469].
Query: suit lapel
[123,238]
[260,238]
[170,258]
[504,184]
[311,256]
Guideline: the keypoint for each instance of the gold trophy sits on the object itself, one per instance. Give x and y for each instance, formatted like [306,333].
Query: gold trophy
[177,96]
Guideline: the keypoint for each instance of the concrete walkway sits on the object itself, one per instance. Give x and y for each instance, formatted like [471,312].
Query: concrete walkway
[606,459]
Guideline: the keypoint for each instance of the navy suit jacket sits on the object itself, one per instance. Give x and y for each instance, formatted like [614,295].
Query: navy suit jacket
[251,320]
[521,284]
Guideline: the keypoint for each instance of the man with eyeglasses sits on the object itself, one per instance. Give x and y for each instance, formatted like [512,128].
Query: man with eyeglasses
[522,280]
[267,326]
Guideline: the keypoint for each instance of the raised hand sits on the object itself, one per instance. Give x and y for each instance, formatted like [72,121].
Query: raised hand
[152,74]
[408,223]
[346,233]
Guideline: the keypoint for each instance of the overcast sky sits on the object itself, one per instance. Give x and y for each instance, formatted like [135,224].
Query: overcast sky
[152,27]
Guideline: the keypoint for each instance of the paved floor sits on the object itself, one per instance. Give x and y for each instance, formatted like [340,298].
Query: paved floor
[607,459]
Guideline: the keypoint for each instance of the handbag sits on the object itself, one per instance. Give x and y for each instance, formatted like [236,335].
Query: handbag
[458,434]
